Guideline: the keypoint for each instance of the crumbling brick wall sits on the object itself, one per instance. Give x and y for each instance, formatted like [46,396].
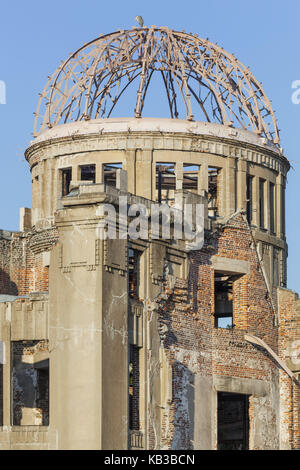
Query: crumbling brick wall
[194,347]
[289,350]
[22,269]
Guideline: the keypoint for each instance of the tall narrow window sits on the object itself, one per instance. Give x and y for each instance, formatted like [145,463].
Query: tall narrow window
[272,208]
[66,175]
[213,190]
[134,388]
[190,177]
[249,198]
[133,265]
[88,173]
[262,203]
[165,182]
[282,211]
[223,301]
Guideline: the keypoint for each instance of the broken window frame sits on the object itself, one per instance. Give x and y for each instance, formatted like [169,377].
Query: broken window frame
[165,181]
[110,173]
[213,191]
[190,181]
[66,178]
[228,279]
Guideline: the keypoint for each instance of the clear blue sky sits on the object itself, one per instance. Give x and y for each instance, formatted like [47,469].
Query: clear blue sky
[36,36]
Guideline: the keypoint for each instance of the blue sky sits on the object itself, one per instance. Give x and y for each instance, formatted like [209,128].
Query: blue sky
[36,36]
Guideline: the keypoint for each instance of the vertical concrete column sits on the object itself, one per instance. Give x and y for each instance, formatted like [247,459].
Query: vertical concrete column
[55,194]
[229,185]
[241,184]
[129,166]
[203,179]
[48,195]
[99,173]
[122,180]
[256,214]
[271,265]
[280,195]
[144,173]
[42,185]
[76,173]
[179,175]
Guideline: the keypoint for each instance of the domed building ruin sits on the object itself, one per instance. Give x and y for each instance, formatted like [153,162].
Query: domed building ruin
[122,342]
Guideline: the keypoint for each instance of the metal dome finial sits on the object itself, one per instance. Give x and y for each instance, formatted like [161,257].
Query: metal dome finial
[140,20]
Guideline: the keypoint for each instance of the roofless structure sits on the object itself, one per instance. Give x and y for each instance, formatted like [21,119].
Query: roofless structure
[142,342]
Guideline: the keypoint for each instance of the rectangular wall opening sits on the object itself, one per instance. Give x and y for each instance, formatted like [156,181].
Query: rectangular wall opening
[190,177]
[30,379]
[213,191]
[272,208]
[88,173]
[110,173]
[261,203]
[233,421]
[133,274]
[134,388]
[165,182]
[66,176]
[224,300]
[249,197]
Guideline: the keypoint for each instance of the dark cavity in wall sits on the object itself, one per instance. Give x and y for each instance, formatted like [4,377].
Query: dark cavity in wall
[30,379]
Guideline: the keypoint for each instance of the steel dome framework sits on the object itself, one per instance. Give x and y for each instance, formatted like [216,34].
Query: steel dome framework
[211,84]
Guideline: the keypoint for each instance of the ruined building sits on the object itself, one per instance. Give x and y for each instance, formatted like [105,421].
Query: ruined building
[144,343]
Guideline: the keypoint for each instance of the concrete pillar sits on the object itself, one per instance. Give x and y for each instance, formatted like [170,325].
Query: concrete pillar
[130,168]
[229,185]
[121,180]
[241,184]
[256,213]
[25,219]
[76,173]
[99,173]
[144,173]
[203,178]
[179,175]
[280,216]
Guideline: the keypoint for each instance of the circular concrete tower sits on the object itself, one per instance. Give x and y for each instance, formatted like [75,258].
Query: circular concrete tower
[221,138]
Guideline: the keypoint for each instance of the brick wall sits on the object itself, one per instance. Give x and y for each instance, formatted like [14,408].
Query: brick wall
[194,347]
[21,262]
